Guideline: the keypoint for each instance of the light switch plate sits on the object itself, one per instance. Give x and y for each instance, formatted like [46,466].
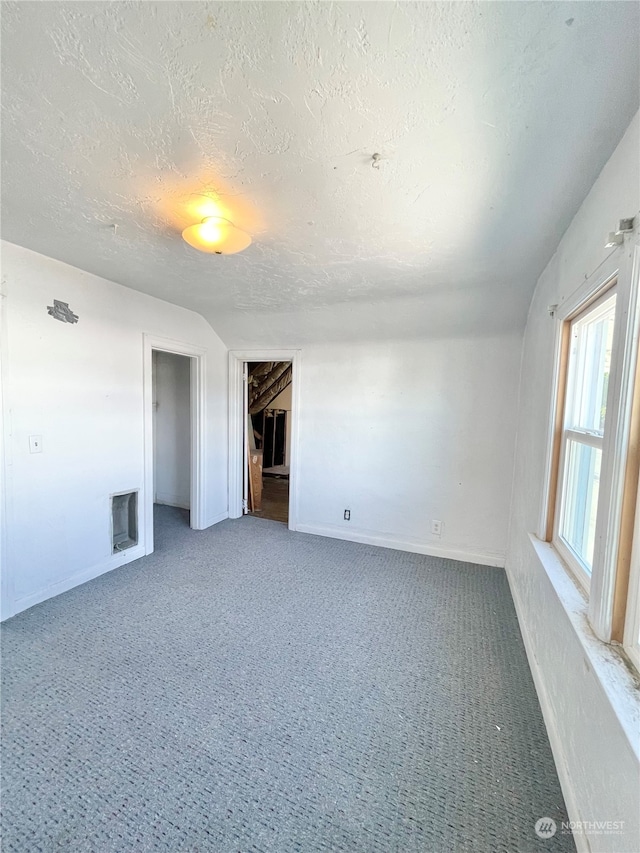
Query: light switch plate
[35,444]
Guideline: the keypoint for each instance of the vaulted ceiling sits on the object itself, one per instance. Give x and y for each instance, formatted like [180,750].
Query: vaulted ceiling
[490,121]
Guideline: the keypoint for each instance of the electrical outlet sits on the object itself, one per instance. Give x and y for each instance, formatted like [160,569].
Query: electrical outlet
[35,444]
[436,528]
[347,515]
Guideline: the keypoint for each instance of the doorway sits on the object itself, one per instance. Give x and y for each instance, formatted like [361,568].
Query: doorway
[171,430]
[268,432]
[174,429]
[263,433]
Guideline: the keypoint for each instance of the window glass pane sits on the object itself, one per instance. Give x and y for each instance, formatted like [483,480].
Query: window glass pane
[589,366]
[581,485]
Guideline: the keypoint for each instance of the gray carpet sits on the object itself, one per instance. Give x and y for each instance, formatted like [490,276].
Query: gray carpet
[250,690]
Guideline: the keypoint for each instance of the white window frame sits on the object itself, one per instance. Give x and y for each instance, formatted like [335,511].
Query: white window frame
[578,436]
[622,266]
[631,640]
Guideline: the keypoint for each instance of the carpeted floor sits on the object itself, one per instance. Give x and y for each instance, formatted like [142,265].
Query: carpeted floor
[250,690]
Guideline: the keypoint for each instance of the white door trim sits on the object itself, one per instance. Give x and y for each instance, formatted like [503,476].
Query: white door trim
[198,421]
[236,431]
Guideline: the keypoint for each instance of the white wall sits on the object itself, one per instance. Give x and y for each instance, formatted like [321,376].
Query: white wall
[171,429]
[81,388]
[596,760]
[404,432]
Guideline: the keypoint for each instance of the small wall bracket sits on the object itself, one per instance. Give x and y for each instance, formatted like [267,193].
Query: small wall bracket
[616,238]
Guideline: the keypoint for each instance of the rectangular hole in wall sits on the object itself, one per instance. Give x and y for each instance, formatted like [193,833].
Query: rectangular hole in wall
[124,521]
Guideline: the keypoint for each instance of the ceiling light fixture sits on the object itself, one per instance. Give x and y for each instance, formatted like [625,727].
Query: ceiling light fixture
[216,235]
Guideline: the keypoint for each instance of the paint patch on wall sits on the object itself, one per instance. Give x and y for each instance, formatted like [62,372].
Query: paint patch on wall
[61,311]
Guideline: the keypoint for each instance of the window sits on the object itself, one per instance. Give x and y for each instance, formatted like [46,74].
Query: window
[591,336]
[592,508]
[632,621]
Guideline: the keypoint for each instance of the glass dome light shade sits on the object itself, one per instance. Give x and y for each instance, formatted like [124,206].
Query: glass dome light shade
[216,235]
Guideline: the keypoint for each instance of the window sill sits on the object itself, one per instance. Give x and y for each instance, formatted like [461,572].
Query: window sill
[618,680]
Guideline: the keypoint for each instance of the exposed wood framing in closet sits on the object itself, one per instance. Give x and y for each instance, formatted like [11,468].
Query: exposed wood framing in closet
[275,381]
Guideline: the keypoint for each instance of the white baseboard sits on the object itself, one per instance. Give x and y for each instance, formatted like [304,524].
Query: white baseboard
[432,549]
[113,562]
[559,755]
[10,609]
[216,519]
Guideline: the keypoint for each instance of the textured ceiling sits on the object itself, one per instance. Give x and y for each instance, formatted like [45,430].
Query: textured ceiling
[491,121]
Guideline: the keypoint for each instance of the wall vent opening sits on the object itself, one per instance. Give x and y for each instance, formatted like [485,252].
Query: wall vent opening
[124,521]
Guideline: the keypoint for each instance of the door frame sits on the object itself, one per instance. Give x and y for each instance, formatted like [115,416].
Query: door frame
[237,359]
[198,422]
